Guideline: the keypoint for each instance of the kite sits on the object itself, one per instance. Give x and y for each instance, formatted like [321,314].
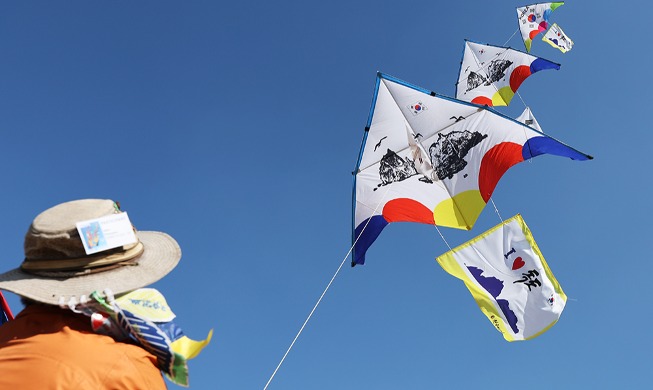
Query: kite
[557,38]
[534,19]
[5,311]
[513,286]
[490,75]
[435,160]
[528,119]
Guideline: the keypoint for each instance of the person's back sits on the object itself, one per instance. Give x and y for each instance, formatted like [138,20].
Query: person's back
[46,347]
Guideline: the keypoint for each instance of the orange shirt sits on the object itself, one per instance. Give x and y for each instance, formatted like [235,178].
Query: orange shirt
[46,347]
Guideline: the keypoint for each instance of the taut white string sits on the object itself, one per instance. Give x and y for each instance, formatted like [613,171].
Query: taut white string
[325,290]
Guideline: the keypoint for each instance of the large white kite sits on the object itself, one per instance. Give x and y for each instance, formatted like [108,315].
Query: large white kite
[436,160]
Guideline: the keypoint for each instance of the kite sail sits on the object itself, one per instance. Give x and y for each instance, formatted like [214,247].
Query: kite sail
[435,160]
[528,119]
[504,270]
[534,19]
[490,75]
[5,311]
[557,38]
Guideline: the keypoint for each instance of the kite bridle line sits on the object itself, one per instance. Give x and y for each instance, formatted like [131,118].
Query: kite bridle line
[442,236]
[326,289]
[513,34]
[496,209]
[520,98]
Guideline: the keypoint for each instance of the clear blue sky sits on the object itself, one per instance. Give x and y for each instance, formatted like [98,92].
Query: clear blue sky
[235,126]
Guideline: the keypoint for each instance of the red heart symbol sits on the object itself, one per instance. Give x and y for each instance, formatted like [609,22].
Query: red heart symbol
[518,263]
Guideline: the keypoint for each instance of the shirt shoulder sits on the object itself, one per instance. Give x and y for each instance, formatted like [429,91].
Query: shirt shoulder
[69,354]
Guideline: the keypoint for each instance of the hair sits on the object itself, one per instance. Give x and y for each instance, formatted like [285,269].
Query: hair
[29,301]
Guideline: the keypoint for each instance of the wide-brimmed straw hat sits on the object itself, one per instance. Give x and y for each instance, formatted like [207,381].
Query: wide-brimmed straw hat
[57,270]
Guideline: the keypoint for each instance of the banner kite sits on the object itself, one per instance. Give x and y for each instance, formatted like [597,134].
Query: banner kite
[513,286]
[534,19]
[557,38]
[490,75]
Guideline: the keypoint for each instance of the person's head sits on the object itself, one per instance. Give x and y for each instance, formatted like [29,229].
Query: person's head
[70,252]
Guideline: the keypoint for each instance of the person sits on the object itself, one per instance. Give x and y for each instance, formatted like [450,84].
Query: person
[50,346]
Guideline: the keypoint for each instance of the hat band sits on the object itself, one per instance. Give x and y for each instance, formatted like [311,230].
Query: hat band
[83,263]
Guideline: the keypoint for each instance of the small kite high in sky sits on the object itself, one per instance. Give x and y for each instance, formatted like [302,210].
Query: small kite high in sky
[490,75]
[557,38]
[534,19]
[508,277]
[435,160]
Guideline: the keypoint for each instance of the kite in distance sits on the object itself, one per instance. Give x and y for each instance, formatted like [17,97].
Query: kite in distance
[490,75]
[534,19]
[557,38]
[513,286]
[435,160]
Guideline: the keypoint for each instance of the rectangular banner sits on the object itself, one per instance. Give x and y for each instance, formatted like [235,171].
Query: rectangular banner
[504,270]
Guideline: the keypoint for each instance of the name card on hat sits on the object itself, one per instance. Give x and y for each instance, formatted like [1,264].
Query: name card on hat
[106,233]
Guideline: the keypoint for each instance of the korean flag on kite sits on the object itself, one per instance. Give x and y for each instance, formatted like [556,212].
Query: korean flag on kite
[490,75]
[438,164]
[513,286]
[534,19]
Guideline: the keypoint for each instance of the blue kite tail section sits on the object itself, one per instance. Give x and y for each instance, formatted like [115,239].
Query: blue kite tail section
[367,233]
[547,145]
[542,64]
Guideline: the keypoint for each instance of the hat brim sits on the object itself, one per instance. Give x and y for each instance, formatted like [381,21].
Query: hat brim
[160,256]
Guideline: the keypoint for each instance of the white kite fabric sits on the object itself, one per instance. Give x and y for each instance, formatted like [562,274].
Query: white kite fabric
[508,277]
[490,75]
[435,160]
[534,19]
[558,39]
[528,119]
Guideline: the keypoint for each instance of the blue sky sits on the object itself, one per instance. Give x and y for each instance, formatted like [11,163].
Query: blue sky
[235,127]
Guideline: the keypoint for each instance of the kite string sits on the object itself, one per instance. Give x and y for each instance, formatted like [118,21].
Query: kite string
[496,209]
[325,290]
[306,321]
[513,34]
[441,235]
[520,98]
